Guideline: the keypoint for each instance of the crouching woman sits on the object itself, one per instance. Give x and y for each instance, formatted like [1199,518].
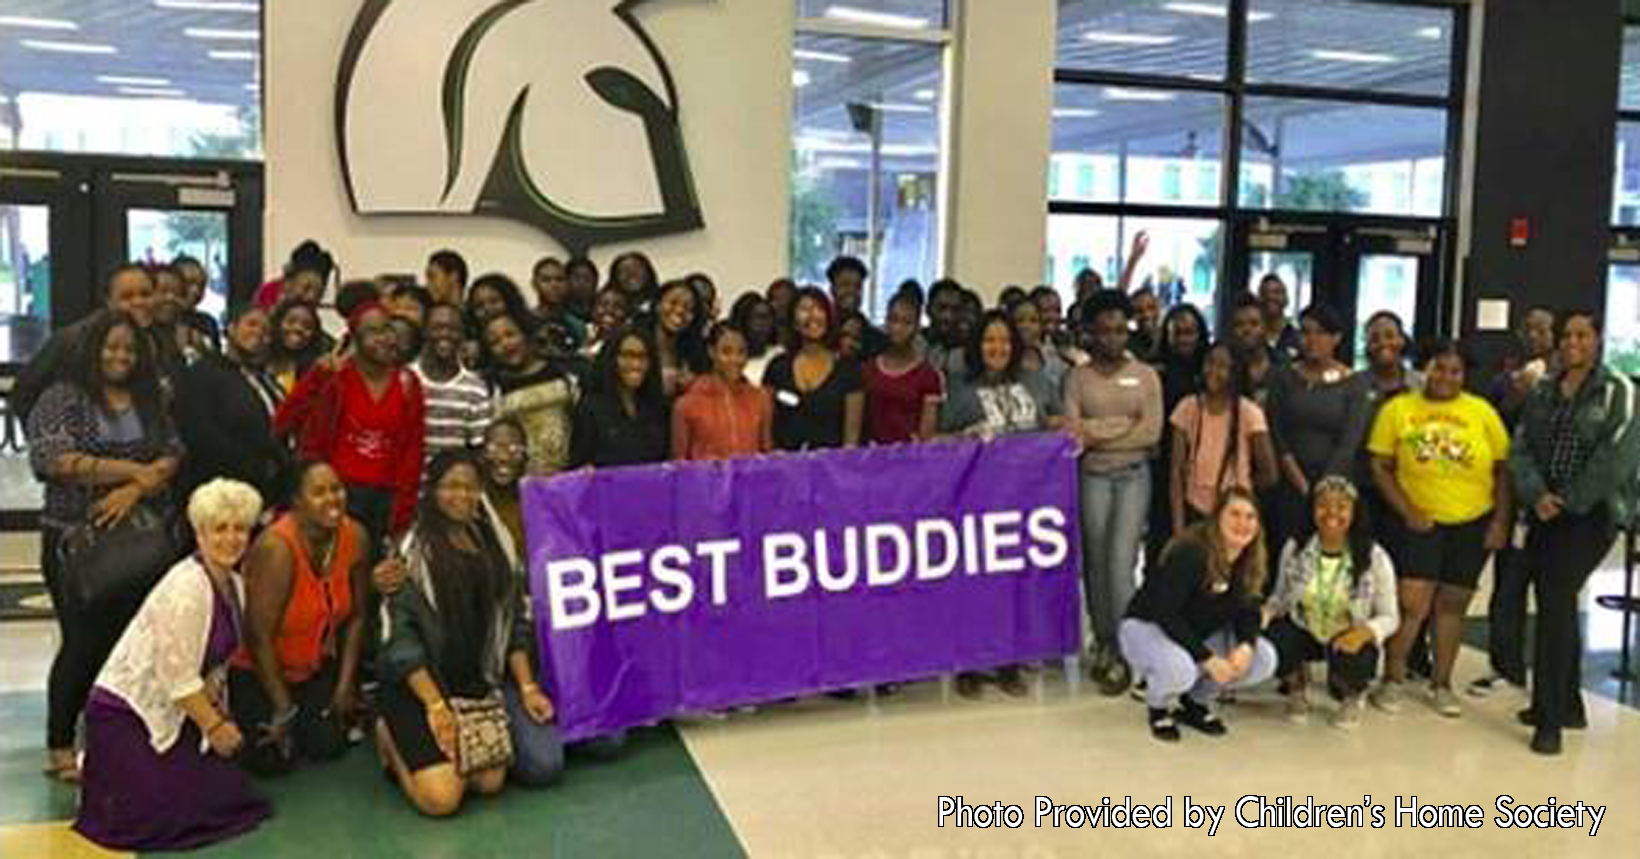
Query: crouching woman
[1334,601]
[456,635]
[1192,630]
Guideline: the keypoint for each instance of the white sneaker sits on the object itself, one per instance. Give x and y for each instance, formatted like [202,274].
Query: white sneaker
[1446,702]
[1298,707]
[1387,696]
[1348,715]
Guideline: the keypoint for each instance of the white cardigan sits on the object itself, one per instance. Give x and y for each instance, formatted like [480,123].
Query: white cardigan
[156,662]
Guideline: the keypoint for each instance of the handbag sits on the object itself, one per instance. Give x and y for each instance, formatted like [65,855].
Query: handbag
[483,741]
[118,563]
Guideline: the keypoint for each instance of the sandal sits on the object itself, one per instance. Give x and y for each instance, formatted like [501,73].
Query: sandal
[65,771]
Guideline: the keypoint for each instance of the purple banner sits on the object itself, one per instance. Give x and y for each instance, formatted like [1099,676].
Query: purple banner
[692,587]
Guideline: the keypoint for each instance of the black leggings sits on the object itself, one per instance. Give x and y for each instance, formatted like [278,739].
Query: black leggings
[317,734]
[1560,556]
[88,636]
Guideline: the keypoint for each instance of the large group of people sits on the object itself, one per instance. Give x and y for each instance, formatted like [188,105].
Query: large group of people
[354,565]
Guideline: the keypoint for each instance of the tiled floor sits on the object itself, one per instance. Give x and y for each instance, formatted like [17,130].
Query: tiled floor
[824,777]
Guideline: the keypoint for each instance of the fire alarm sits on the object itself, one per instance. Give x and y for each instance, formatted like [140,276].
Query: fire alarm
[1520,232]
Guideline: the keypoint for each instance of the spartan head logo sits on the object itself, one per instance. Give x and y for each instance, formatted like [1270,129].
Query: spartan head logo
[557,113]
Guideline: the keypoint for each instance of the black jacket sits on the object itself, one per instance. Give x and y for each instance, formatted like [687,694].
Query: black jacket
[226,426]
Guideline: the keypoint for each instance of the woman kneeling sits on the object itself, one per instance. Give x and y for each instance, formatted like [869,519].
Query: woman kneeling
[1334,600]
[1193,628]
[454,630]
[160,741]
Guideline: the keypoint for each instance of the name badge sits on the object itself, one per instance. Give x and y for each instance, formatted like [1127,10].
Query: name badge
[789,399]
[1127,382]
[1331,376]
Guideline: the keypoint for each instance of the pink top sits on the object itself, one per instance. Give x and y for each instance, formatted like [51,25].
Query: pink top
[1208,436]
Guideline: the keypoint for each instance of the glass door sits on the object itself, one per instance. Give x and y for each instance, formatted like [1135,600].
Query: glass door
[1357,266]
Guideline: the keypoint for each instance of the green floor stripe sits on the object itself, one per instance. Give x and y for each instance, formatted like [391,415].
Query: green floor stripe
[25,795]
[647,800]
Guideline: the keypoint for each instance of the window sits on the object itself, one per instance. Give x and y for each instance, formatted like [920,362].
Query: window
[1085,177]
[1053,179]
[93,77]
[884,14]
[1181,265]
[1350,45]
[1184,39]
[1144,138]
[866,127]
[1622,330]
[1343,157]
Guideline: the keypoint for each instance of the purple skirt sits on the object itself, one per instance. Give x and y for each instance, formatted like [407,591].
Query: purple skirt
[133,799]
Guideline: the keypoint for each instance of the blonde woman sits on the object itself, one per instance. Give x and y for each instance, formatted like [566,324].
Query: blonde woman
[160,741]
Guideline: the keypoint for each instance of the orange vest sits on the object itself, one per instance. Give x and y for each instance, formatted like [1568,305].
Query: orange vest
[318,606]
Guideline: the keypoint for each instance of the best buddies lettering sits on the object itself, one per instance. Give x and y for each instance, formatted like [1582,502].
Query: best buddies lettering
[626,585]
[698,586]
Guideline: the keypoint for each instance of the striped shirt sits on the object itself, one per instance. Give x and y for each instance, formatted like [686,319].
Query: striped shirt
[458,411]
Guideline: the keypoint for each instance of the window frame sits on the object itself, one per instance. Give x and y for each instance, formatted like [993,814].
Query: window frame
[1234,88]
[944,38]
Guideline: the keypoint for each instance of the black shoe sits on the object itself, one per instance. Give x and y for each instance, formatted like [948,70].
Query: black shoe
[1528,717]
[888,690]
[1012,683]
[1546,741]
[844,694]
[1199,717]
[970,684]
[1162,726]
[1115,678]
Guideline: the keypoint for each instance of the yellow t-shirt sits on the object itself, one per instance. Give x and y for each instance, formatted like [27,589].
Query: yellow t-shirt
[1444,452]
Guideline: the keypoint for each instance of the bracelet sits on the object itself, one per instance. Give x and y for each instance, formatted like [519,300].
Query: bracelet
[437,706]
[284,718]
[525,687]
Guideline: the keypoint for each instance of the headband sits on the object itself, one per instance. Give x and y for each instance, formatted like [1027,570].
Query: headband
[1336,483]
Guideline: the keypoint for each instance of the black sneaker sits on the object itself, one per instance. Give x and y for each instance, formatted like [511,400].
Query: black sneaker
[1012,683]
[1199,717]
[1546,741]
[970,684]
[1115,677]
[1162,726]
[1528,717]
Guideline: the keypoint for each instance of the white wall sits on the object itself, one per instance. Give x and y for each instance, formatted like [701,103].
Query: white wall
[996,225]
[731,60]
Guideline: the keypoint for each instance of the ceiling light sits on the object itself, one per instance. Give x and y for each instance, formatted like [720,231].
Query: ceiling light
[207,6]
[891,107]
[800,77]
[212,33]
[1429,33]
[123,80]
[1213,11]
[233,55]
[1115,93]
[68,47]
[879,19]
[839,164]
[1074,113]
[821,56]
[37,23]
[253,87]
[925,95]
[1141,39]
[1353,57]
[152,92]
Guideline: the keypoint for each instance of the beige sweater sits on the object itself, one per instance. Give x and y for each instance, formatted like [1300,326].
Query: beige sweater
[1118,416]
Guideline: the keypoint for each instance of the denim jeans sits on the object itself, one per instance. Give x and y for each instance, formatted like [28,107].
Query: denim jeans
[1169,671]
[1115,505]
